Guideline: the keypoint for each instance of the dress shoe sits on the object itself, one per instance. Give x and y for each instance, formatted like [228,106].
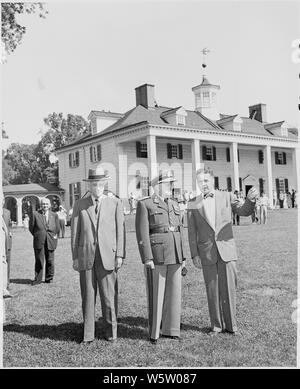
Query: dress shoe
[49,281]
[110,339]
[174,337]
[153,341]
[35,282]
[213,333]
[233,333]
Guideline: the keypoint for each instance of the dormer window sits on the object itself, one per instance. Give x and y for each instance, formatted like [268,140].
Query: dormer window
[180,120]
[284,131]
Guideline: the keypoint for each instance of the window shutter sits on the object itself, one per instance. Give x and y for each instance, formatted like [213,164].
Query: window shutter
[91,154]
[204,153]
[286,184]
[241,184]
[180,154]
[261,186]
[138,149]
[238,153]
[70,194]
[284,158]
[79,189]
[214,153]
[98,152]
[229,187]
[169,150]
[77,158]
[228,154]
[70,160]
[260,156]
[276,157]
[277,186]
[216,182]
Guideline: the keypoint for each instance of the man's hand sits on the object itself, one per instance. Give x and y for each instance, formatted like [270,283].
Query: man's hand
[150,263]
[118,263]
[76,264]
[197,262]
[252,194]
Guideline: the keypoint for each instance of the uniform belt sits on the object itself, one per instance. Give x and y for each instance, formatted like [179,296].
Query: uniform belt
[161,230]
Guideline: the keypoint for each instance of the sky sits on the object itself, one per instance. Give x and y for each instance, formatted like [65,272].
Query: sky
[91,56]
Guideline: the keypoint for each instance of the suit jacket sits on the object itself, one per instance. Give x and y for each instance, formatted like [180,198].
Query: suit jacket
[152,214]
[43,232]
[107,232]
[7,219]
[208,242]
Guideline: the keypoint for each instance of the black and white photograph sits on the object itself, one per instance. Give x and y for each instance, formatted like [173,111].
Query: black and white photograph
[150,178]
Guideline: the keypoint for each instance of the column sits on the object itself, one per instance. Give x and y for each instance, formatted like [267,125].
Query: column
[19,213]
[196,162]
[122,173]
[268,157]
[152,158]
[235,165]
[296,162]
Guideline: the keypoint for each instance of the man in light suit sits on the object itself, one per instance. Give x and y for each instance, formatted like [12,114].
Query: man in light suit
[98,249]
[213,248]
[159,233]
[44,227]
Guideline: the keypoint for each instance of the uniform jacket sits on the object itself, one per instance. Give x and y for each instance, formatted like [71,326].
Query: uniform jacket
[152,213]
[43,232]
[107,232]
[7,220]
[207,242]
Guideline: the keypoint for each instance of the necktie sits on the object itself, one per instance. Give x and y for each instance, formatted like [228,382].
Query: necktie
[208,195]
[97,205]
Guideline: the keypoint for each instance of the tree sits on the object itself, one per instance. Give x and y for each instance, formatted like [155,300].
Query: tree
[21,160]
[12,32]
[8,174]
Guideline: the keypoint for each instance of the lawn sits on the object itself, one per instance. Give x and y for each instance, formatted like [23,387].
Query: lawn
[44,323]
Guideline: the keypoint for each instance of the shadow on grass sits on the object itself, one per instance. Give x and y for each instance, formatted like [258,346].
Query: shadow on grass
[24,281]
[129,327]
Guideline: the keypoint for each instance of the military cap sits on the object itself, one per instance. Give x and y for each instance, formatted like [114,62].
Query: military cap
[163,177]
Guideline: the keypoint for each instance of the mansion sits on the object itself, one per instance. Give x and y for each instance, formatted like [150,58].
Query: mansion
[135,146]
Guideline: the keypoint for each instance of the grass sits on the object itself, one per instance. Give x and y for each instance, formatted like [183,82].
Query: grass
[44,323]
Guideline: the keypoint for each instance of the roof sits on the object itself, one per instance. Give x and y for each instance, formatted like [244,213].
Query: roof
[31,188]
[271,125]
[205,82]
[226,119]
[103,113]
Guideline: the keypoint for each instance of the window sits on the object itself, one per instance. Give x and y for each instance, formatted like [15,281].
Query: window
[180,120]
[144,185]
[284,132]
[229,186]
[209,153]
[213,98]
[141,150]
[174,151]
[260,156]
[261,185]
[280,158]
[205,99]
[75,192]
[216,182]
[74,159]
[95,153]
[282,185]
[198,100]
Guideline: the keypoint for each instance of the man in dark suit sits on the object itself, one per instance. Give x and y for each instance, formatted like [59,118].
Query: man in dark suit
[8,245]
[98,250]
[213,247]
[44,226]
[159,233]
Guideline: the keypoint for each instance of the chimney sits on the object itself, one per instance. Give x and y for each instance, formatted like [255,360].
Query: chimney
[258,112]
[144,95]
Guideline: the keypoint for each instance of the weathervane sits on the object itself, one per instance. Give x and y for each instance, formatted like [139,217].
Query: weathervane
[205,51]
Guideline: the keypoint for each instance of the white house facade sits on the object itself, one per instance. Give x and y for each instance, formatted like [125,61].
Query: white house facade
[135,146]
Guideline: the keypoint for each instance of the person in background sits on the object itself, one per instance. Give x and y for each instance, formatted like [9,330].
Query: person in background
[62,219]
[296,199]
[44,227]
[235,216]
[289,199]
[263,202]
[26,222]
[281,199]
[8,243]
[293,198]
[275,199]
[285,203]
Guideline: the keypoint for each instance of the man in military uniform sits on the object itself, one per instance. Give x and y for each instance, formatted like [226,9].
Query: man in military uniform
[159,233]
